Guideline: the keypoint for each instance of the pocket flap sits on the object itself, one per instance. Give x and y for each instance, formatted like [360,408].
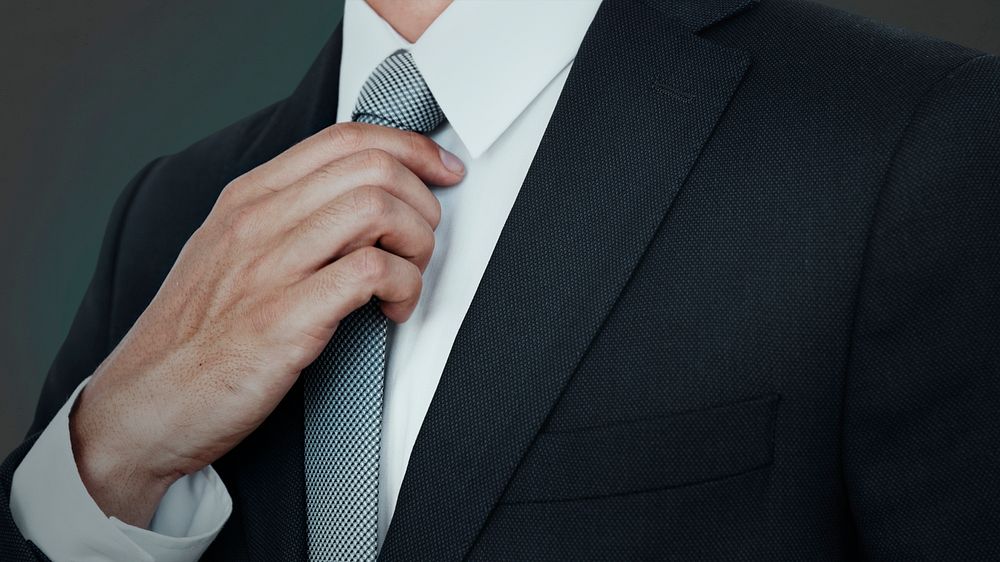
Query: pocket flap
[674,450]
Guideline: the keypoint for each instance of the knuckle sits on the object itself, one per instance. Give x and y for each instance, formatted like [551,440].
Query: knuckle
[346,135]
[416,280]
[230,194]
[435,218]
[423,244]
[371,202]
[370,265]
[380,165]
[418,144]
[242,223]
[429,242]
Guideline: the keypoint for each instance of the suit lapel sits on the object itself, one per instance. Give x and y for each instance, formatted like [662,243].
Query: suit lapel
[641,100]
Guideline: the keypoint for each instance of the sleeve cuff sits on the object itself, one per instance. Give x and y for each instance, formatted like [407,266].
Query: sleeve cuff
[52,508]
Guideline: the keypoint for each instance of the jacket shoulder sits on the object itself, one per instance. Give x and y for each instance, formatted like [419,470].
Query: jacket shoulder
[809,47]
[168,203]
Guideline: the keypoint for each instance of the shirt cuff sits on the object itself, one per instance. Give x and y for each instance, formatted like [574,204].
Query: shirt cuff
[53,509]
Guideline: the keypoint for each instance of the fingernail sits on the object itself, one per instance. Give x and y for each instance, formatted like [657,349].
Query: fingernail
[452,162]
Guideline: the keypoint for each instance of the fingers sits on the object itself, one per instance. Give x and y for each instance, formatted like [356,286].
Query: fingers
[371,167]
[343,215]
[417,152]
[361,217]
[333,292]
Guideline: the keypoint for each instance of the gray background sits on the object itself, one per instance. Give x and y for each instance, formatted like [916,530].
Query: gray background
[93,90]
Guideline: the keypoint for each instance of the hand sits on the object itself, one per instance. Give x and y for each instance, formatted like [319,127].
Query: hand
[289,249]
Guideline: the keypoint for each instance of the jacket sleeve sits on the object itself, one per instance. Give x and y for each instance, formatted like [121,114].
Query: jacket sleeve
[921,441]
[86,345]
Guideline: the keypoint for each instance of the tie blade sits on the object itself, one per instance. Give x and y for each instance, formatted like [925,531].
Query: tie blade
[344,386]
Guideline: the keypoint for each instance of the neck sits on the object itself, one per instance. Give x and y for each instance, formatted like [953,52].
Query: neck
[410,18]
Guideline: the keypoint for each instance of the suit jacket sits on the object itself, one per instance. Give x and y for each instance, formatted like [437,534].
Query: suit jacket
[746,306]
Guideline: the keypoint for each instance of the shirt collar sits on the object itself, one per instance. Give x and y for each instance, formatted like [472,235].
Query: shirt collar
[484,60]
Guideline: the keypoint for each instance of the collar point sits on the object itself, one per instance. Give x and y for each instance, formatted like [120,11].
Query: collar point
[475,144]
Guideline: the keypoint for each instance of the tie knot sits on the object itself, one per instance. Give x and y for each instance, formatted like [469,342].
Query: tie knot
[395,95]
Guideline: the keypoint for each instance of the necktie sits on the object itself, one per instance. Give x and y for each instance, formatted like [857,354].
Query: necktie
[343,387]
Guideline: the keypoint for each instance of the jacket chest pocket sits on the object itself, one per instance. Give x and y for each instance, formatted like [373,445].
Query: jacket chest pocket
[674,450]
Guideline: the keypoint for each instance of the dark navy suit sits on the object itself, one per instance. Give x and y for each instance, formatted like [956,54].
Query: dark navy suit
[745,307]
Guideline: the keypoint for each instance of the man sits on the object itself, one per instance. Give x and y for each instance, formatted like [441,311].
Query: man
[701,280]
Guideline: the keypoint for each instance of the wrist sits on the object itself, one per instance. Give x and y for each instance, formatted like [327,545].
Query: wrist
[116,472]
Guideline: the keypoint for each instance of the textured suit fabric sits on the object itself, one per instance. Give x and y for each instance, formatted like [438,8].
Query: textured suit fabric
[770,232]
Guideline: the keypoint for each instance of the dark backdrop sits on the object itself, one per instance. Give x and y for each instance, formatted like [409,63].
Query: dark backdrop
[92,90]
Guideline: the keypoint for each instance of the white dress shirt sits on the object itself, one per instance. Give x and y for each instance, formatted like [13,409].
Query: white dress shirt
[496,67]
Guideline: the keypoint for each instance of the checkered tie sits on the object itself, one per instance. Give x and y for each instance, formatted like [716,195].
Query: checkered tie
[343,387]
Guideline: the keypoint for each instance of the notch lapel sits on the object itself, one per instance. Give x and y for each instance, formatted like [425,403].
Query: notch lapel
[641,100]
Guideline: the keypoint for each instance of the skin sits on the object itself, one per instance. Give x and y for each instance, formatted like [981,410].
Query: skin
[289,249]
[410,18]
